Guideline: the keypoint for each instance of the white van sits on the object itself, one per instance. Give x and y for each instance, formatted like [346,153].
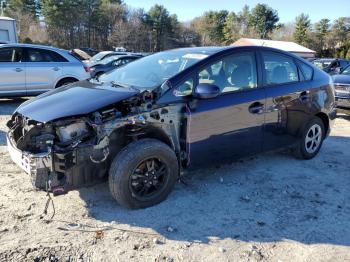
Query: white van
[7,30]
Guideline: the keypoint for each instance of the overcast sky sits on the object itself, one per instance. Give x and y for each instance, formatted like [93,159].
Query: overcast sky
[287,9]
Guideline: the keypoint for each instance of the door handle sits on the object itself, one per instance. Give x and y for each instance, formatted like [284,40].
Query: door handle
[18,69]
[55,69]
[256,108]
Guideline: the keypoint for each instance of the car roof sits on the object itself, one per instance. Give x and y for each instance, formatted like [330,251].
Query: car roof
[205,49]
[105,52]
[63,52]
[128,55]
[117,57]
[32,46]
[326,59]
[213,51]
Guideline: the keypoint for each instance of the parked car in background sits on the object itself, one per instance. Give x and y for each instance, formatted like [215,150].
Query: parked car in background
[342,88]
[330,65]
[103,55]
[27,70]
[90,51]
[142,124]
[111,63]
[311,59]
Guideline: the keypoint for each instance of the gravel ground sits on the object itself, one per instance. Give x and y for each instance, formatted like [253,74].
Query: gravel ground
[267,208]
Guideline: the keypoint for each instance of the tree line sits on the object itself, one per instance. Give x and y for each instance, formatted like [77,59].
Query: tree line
[106,24]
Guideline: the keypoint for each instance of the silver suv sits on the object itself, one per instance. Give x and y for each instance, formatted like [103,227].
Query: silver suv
[34,69]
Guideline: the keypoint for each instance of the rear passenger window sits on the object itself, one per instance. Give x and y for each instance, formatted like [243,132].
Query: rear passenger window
[10,54]
[307,71]
[41,55]
[232,73]
[279,69]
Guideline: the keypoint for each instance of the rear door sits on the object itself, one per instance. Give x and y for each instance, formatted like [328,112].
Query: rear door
[43,69]
[12,71]
[287,98]
[229,126]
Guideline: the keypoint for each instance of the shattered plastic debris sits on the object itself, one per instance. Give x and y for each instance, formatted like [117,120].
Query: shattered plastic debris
[98,236]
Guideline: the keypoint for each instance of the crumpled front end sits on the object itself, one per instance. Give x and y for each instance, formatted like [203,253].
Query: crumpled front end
[76,151]
[62,153]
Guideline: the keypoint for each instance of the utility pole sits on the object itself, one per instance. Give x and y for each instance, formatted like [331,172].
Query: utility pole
[2,7]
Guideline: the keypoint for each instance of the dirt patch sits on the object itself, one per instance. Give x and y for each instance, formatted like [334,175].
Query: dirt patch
[267,208]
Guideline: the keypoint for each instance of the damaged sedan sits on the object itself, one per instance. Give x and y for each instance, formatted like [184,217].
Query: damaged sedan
[142,125]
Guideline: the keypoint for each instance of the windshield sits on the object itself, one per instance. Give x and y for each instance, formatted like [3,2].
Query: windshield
[151,71]
[105,61]
[322,64]
[346,71]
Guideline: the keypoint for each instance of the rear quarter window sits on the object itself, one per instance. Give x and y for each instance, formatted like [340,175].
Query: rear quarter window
[306,70]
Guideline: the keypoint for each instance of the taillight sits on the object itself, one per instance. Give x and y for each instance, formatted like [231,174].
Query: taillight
[87,69]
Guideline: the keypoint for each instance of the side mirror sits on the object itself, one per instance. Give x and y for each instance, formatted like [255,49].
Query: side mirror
[205,91]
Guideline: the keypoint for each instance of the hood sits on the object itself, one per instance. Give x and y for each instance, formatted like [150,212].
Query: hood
[79,98]
[341,79]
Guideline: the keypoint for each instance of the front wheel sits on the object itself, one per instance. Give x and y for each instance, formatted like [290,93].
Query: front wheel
[311,139]
[143,173]
[65,82]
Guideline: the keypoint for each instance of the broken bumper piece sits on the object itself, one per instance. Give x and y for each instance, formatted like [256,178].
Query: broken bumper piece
[38,166]
[70,169]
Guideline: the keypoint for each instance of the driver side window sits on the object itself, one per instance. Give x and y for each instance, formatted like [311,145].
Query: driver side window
[231,73]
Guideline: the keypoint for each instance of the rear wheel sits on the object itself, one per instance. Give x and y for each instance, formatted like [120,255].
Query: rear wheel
[143,173]
[311,139]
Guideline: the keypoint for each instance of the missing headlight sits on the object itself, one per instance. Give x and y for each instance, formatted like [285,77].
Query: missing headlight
[70,133]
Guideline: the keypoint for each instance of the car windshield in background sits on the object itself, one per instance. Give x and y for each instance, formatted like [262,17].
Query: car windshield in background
[346,71]
[322,64]
[108,59]
[99,56]
[151,71]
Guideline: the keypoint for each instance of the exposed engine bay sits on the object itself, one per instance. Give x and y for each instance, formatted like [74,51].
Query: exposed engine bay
[78,150]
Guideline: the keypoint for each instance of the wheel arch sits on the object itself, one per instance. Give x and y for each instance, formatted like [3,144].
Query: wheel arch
[123,136]
[151,131]
[323,116]
[65,78]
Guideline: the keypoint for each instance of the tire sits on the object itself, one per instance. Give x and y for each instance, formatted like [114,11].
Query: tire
[306,148]
[127,164]
[65,82]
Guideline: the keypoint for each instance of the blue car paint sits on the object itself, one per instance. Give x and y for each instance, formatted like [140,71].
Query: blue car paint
[222,129]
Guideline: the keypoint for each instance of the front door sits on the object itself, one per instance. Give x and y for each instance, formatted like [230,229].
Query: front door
[229,126]
[12,71]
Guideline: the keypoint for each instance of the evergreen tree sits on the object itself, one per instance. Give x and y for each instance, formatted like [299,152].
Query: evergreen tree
[263,20]
[302,29]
